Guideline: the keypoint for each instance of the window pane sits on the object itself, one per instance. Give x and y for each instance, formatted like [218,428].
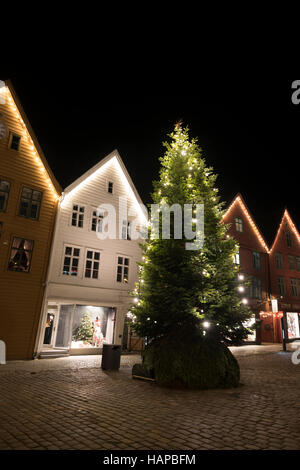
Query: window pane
[67,261]
[120,260]
[27,193]
[89,254]
[76,251]
[95,274]
[126,261]
[20,256]
[96,255]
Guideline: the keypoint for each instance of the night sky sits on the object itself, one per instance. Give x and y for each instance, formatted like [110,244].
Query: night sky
[248,129]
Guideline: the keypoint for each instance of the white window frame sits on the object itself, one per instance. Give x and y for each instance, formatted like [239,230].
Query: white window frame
[93,260]
[108,181]
[99,218]
[72,256]
[78,213]
[123,266]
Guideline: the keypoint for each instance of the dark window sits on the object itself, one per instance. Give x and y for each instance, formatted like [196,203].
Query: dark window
[256,260]
[110,187]
[122,269]
[30,203]
[295,287]
[15,141]
[92,264]
[281,286]
[291,262]
[255,288]
[20,255]
[77,216]
[279,261]
[239,226]
[4,192]
[288,239]
[71,261]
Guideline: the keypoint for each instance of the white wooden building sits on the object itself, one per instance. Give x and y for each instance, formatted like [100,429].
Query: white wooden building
[89,278]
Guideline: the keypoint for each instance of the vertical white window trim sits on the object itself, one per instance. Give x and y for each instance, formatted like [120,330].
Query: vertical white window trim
[122,269]
[98,217]
[71,256]
[93,261]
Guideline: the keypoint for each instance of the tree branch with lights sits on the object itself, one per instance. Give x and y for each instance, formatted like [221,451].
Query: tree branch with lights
[187,303]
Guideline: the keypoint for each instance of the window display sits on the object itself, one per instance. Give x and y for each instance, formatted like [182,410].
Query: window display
[293,325]
[92,326]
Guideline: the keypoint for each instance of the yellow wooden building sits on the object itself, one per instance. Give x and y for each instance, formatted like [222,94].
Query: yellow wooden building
[29,195]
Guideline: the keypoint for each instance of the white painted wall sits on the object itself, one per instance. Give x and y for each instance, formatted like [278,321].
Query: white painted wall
[105,290]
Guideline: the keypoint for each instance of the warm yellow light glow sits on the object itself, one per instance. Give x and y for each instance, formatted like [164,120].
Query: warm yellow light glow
[238,200]
[32,148]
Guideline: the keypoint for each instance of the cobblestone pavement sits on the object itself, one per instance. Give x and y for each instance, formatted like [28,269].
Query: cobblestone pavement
[70,403]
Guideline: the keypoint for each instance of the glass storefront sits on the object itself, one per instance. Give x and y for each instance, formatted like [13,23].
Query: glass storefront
[80,327]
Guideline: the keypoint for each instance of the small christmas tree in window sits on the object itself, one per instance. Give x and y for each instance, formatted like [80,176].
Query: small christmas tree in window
[85,330]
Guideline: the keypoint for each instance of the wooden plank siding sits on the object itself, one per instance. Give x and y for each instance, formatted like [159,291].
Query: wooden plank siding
[90,191]
[21,293]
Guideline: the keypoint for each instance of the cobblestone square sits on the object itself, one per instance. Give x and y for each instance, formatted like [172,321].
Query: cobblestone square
[70,403]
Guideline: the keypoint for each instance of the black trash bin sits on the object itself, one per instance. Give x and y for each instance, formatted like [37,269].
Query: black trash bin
[111,357]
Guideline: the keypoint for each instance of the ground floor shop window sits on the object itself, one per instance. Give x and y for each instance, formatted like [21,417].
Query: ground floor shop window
[80,326]
[92,326]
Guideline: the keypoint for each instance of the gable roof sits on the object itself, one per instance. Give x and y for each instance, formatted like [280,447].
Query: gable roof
[37,152]
[286,216]
[112,158]
[239,200]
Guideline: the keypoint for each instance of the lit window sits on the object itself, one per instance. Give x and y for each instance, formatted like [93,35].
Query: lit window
[4,192]
[239,226]
[298,263]
[30,203]
[71,261]
[279,260]
[256,260]
[281,286]
[77,216]
[110,187]
[237,258]
[92,264]
[20,255]
[14,141]
[97,221]
[122,269]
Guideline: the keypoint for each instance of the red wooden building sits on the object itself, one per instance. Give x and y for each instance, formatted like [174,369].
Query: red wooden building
[284,259]
[252,258]
[273,275]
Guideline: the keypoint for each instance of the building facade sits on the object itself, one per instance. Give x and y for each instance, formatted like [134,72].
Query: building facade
[29,197]
[252,258]
[90,275]
[285,276]
[273,274]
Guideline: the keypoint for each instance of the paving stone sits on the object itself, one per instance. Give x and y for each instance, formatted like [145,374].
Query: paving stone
[70,403]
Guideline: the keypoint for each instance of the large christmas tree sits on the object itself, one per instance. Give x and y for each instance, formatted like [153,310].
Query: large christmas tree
[186,301]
